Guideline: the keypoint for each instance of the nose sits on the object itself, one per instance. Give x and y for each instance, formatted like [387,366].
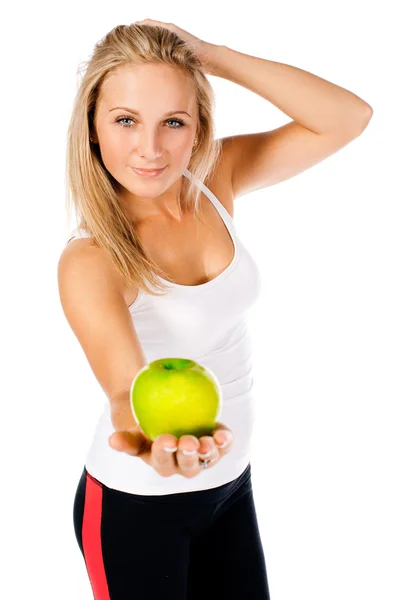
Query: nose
[149,144]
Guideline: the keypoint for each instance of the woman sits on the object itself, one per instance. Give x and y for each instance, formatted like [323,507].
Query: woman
[175,518]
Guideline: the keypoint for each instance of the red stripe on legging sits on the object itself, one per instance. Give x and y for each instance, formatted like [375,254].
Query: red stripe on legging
[91,539]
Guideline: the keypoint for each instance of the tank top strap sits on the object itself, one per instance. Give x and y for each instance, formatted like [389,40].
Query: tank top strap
[225,216]
[77,233]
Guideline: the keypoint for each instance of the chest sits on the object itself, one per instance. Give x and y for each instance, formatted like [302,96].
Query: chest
[196,251]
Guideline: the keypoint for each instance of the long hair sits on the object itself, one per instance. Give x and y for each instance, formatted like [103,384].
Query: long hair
[91,189]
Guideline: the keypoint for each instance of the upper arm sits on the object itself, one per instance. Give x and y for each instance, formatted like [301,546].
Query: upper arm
[259,160]
[94,305]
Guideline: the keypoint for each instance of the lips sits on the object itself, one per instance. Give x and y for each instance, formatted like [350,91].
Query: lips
[149,173]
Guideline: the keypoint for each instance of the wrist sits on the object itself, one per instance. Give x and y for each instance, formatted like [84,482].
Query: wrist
[210,57]
[121,412]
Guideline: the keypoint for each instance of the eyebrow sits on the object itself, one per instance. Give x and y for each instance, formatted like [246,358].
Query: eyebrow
[136,112]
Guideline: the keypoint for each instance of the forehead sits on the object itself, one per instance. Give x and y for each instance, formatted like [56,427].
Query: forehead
[143,86]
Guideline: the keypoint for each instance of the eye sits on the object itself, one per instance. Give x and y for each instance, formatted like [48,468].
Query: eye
[179,121]
[123,119]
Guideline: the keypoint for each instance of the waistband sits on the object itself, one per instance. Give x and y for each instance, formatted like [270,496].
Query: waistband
[200,497]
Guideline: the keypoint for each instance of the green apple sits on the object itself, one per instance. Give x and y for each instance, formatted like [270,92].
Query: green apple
[177,396]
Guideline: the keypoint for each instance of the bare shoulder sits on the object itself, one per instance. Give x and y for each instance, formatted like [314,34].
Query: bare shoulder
[220,182]
[81,253]
[82,249]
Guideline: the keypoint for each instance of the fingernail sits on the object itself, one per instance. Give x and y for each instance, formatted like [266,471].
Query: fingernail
[170,449]
[222,445]
[189,452]
[206,455]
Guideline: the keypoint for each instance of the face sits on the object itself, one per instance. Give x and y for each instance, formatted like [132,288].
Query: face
[148,138]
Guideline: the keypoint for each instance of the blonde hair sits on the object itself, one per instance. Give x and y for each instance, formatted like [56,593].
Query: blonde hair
[91,188]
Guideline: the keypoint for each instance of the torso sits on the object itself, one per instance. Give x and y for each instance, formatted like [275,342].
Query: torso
[190,252]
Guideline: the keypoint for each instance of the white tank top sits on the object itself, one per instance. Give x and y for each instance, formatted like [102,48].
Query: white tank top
[205,323]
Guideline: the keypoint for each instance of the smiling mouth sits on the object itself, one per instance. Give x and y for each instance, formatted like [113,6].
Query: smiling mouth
[149,173]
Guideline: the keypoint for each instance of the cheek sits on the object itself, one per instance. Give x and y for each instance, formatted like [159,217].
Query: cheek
[181,141]
[113,151]
[182,150]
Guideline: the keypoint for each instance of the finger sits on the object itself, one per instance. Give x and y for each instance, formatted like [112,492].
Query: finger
[208,449]
[129,442]
[223,436]
[187,455]
[207,446]
[163,454]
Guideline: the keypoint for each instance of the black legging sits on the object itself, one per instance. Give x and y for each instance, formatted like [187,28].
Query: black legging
[202,545]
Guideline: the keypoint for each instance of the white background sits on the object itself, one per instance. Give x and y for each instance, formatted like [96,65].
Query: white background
[325,329]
